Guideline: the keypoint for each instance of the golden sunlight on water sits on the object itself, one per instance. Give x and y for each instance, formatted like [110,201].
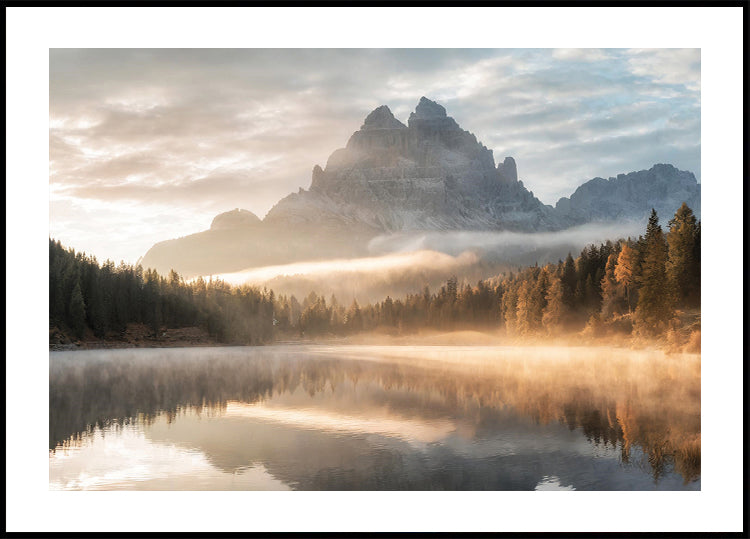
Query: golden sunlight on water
[375,417]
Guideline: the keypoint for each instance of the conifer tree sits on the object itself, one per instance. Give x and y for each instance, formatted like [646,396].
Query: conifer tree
[524,308]
[353,322]
[452,288]
[591,299]
[510,306]
[77,310]
[613,293]
[683,269]
[553,316]
[538,299]
[654,308]
[697,258]
[625,271]
[569,279]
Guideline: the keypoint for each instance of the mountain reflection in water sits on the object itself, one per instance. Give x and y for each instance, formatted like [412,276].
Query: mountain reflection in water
[375,417]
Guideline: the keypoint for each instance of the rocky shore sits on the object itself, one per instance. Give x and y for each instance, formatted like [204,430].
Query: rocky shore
[134,336]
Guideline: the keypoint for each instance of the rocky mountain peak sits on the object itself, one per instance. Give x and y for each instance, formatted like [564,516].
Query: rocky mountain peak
[428,110]
[381,118]
[662,187]
[431,175]
[507,170]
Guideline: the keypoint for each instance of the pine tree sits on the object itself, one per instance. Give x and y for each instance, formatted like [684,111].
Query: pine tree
[613,293]
[591,298]
[452,288]
[77,310]
[553,317]
[56,292]
[683,269]
[353,322]
[697,258]
[387,318]
[654,308]
[569,278]
[538,298]
[509,306]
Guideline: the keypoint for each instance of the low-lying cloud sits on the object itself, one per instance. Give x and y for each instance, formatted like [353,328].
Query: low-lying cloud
[405,263]
[366,279]
[505,244]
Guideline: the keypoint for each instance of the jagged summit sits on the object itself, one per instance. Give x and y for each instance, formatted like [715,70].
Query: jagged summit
[429,175]
[428,110]
[381,118]
[507,170]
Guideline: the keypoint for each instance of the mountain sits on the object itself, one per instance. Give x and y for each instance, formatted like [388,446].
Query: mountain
[631,196]
[235,219]
[427,175]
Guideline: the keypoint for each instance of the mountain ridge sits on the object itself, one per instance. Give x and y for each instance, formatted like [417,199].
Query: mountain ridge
[426,175]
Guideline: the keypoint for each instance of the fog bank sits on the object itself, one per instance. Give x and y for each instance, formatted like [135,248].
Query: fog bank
[407,262]
[506,244]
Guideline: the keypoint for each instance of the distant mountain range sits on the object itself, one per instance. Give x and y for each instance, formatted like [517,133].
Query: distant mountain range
[428,175]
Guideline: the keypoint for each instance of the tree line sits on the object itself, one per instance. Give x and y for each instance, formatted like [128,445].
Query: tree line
[85,296]
[633,285]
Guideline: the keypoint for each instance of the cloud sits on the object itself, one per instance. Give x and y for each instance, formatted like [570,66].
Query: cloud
[504,244]
[375,266]
[581,55]
[667,66]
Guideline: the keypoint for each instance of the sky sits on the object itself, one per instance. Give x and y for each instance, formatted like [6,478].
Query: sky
[147,145]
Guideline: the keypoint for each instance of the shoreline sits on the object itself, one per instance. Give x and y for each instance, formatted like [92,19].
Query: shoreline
[134,336]
[176,338]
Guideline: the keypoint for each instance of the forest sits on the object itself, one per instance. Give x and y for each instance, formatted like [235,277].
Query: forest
[643,288]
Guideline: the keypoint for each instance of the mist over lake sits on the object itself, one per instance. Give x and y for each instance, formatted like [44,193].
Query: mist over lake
[355,417]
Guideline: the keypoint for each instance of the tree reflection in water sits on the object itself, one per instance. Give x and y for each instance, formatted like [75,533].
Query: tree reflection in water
[644,403]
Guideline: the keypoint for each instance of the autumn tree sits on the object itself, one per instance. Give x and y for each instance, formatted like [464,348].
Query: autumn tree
[625,271]
[509,306]
[539,297]
[553,316]
[525,308]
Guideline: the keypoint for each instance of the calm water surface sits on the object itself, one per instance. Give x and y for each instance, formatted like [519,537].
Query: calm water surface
[374,418]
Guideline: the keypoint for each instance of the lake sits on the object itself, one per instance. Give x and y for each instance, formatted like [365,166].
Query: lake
[348,417]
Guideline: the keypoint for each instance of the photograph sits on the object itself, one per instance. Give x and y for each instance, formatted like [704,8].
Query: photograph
[288,269]
[328,270]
